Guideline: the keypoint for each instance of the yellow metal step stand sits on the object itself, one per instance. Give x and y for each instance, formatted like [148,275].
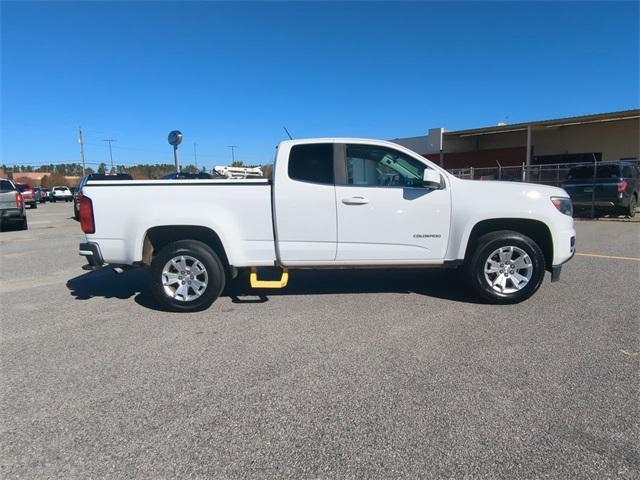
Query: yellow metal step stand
[255,283]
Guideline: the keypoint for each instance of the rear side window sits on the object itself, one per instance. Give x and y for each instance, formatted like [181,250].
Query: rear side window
[312,163]
[628,171]
[5,186]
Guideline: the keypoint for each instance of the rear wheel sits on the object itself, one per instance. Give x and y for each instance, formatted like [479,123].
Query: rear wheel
[34,205]
[23,224]
[187,276]
[633,204]
[506,267]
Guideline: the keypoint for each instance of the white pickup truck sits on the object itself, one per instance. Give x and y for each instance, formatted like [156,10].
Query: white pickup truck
[332,203]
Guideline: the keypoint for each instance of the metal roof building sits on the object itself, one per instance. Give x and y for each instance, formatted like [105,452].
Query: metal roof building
[603,136]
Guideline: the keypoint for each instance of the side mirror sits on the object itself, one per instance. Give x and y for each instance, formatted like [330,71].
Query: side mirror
[431,179]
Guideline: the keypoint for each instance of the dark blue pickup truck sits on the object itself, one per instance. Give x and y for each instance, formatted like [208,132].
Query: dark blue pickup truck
[614,190]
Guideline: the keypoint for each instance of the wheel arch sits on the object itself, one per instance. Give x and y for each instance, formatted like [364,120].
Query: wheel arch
[537,230]
[157,237]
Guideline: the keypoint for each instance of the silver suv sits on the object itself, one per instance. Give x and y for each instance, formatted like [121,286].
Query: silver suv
[11,206]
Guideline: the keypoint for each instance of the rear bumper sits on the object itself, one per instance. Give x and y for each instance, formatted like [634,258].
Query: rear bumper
[91,252]
[8,214]
[597,203]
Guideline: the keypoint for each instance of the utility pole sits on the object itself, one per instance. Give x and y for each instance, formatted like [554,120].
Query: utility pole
[195,155]
[109,140]
[233,153]
[81,142]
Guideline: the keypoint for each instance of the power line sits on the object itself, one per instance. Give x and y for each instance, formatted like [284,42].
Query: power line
[109,140]
[233,152]
[81,142]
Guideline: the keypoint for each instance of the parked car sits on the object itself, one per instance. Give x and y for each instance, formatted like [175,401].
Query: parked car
[45,195]
[61,193]
[614,189]
[37,193]
[340,203]
[12,210]
[191,176]
[28,195]
[94,176]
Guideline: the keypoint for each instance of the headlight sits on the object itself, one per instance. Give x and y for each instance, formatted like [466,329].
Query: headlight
[563,204]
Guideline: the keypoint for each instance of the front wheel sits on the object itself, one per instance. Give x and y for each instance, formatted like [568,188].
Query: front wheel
[187,276]
[506,267]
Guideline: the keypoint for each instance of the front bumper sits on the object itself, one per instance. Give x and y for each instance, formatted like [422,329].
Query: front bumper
[91,252]
[557,269]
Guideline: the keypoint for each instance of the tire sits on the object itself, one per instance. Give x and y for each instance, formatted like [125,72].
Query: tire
[23,225]
[34,205]
[633,204]
[497,250]
[195,254]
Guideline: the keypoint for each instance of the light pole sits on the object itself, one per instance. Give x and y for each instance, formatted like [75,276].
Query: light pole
[175,138]
[109,140]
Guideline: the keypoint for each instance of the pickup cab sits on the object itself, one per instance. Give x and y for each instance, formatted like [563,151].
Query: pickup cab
[331,203]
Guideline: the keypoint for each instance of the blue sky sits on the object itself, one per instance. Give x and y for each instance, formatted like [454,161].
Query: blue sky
[235,73]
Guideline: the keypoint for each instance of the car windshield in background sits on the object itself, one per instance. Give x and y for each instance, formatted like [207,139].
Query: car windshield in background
[22,188]
[603,171]
[6,186]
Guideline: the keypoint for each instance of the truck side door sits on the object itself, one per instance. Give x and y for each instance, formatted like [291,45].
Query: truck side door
[385,214]
[305,203]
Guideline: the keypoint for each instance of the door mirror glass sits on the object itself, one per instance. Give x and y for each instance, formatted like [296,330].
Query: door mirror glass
[431,179]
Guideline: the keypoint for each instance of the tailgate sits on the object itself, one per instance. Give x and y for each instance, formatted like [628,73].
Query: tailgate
[8,200]
[583,193]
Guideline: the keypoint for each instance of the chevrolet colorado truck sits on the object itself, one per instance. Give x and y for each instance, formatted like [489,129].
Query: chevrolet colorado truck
[331,203]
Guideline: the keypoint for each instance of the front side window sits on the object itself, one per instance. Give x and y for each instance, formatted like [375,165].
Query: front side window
[312,163]
[375,166]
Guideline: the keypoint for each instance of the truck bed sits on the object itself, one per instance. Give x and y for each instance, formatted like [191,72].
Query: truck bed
[239,209]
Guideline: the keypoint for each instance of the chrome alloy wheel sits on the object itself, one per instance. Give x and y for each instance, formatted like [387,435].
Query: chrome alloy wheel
[184,278]
[508,269]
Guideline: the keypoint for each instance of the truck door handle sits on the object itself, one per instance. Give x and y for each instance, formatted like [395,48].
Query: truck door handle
[355,201]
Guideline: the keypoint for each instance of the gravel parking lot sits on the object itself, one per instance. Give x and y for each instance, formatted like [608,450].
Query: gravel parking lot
[342,375]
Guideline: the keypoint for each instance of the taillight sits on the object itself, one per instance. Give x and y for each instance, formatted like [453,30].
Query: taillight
[19,200]
[622,186]
[86,215]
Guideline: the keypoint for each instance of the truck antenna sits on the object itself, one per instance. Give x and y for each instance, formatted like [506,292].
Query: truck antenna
[290,137]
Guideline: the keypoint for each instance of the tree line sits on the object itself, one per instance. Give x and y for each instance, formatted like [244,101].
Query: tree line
[55,173]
